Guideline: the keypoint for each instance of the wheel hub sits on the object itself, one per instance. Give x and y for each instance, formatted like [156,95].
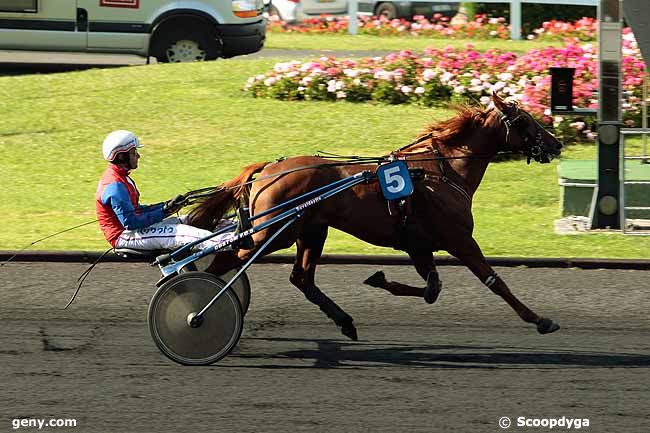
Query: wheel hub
[185,51]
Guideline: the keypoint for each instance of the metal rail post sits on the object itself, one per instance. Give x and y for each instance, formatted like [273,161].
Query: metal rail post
[515,20]
[353,9]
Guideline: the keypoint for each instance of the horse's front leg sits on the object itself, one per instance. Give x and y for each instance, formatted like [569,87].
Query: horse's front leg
[471,255]
[426,268]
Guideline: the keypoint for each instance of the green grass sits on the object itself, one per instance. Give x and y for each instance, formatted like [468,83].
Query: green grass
[301,41]
[199,129]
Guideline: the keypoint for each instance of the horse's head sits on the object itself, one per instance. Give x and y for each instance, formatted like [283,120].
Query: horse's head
[525,135]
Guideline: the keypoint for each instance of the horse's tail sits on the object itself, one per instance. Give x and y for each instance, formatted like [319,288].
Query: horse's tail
[208,212]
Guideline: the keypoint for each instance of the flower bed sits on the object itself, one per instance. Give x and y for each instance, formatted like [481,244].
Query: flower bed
[585,29]
[438,26]
[439,76]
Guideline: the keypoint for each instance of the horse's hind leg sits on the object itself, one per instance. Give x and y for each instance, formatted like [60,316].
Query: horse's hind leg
[470,253]
[426,268]
[309,249]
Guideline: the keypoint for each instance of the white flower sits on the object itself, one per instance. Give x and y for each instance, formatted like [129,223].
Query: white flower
[270,81]
[446,77]
[484,76]
[356,81]
[485,100]
[340,94]
[459,89]
[419,90]
[498,86]
[547,112]
[428,74]
[406,90]
[578,125]
[282,67]
[380,74]
[505,76]
[351,72]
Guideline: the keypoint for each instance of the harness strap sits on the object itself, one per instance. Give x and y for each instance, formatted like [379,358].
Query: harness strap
[444,178]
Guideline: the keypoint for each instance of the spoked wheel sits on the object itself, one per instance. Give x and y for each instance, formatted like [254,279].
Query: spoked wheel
[177,301]
[241,287]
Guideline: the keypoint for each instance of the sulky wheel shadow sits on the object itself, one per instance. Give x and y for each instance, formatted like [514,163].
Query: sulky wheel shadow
[341,354]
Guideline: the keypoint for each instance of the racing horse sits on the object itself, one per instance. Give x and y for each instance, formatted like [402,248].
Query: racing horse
[453,156]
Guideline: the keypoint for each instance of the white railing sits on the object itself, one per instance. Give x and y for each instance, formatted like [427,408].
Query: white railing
[515,11]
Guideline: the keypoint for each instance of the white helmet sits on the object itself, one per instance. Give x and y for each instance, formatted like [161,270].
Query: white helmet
[117,142]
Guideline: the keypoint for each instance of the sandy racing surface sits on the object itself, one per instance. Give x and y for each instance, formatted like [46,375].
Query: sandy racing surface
[456,366]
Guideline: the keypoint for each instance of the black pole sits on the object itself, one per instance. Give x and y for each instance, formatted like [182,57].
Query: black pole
[606,207]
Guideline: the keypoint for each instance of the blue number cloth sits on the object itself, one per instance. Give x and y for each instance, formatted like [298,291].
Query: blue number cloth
[395,180]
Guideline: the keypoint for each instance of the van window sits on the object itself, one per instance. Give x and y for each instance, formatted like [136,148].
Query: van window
[18,6]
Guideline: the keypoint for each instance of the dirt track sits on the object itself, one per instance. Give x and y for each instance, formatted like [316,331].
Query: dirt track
[457,366]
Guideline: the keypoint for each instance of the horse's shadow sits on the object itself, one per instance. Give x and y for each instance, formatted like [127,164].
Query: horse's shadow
[342,354]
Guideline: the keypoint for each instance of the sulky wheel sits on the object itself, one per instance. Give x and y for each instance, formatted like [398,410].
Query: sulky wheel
[181,298]
[241,287]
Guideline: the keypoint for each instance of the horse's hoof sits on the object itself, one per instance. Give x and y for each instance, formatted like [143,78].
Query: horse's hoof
[378,279]
[432,291]
[350,331]
[546,326]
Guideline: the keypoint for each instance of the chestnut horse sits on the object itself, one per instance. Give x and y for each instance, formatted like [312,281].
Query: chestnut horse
[438,215]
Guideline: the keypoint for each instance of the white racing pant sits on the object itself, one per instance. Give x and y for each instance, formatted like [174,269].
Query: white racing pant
[170,234]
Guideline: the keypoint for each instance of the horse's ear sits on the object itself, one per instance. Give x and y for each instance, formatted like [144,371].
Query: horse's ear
[498,102]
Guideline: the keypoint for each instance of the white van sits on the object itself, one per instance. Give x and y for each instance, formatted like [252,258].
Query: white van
[169,30]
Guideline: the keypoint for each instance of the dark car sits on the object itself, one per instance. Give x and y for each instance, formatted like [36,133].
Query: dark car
[406,9]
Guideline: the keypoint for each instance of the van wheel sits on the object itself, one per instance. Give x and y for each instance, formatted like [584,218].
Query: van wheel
[196,46]
[386,9]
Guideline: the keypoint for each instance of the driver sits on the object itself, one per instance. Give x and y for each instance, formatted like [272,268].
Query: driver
[128,224]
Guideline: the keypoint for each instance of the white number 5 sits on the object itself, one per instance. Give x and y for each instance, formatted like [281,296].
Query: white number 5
[392,176]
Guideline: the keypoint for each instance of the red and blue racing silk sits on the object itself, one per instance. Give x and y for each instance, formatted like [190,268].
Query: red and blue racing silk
[117,207]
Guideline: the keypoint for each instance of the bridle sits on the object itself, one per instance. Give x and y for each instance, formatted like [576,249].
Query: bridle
[515,118]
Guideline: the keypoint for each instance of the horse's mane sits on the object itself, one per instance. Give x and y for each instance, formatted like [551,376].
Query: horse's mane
[451,133]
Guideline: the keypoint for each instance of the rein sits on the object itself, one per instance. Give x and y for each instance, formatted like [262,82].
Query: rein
[197,194]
